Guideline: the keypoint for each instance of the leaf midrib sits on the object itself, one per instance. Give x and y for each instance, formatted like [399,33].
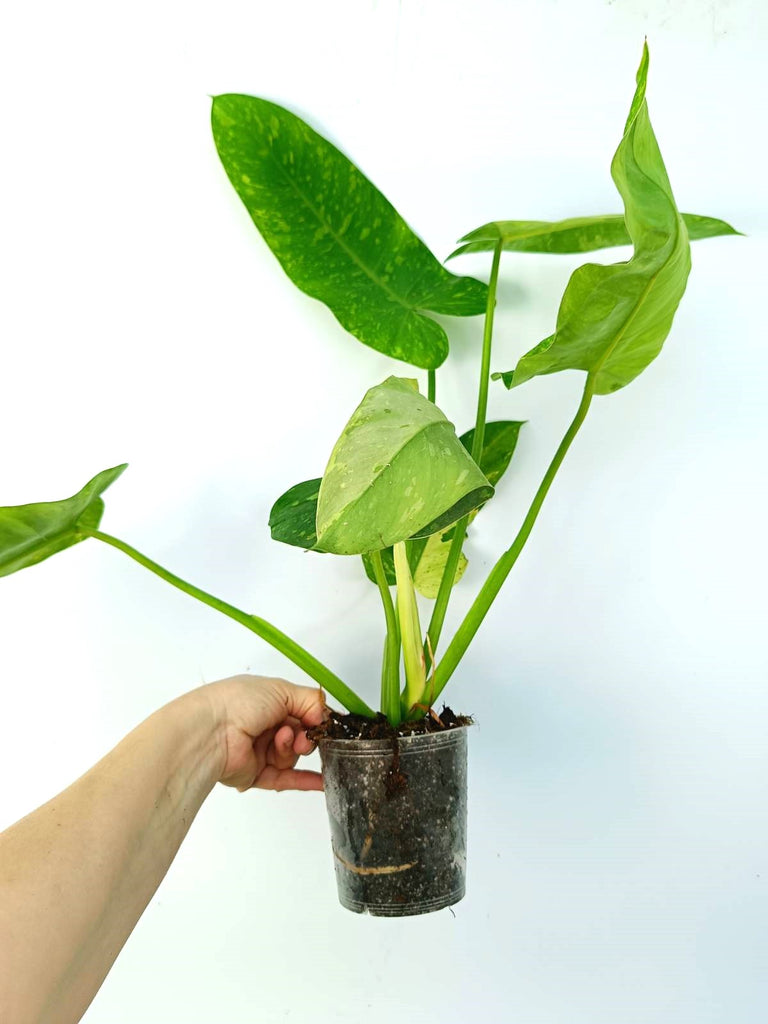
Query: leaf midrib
[337,238]
[559,230]
[44,540]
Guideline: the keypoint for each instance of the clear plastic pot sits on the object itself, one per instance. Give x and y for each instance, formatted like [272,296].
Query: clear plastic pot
[398,815]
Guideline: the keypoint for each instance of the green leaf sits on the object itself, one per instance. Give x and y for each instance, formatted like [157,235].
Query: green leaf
[398,471]
[613,320]
[576,234]
[429,571]
[335,235]
[499,443]
[293,516]
[292,519]
[32,533]
[427,557]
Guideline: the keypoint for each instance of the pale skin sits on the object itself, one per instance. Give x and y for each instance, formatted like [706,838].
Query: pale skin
[76,874]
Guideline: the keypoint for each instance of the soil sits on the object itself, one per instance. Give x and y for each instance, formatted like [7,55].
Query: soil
[358,727]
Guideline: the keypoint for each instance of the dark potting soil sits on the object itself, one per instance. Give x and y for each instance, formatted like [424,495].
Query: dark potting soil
[358,727]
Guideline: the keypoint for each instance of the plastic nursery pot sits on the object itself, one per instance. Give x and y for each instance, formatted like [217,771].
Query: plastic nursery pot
[398,815]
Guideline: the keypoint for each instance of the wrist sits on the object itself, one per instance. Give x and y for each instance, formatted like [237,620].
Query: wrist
[201,733]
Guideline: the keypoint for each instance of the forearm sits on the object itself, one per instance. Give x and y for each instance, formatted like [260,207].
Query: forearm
[76,875]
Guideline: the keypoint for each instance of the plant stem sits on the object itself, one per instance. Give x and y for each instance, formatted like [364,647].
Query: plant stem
[460,530]
[431,385]
[390,669]
[307,662]
[485,365]
[410,629]
[466,631]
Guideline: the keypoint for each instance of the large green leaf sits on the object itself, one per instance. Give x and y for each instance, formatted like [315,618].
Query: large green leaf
[336,236]
[397,471]
[292,521]
[427,560]
[613,320]
[576,234]
[31,533]
[293,516]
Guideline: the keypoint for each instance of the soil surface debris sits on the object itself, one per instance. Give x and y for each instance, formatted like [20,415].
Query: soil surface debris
[358,727]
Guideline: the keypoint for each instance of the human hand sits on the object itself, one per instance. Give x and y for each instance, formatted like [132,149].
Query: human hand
[262,723]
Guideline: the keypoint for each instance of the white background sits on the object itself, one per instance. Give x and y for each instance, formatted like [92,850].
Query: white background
[618,816]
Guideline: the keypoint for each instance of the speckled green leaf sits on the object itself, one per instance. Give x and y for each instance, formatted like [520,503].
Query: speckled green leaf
[292,519]
[397,471]
[499,443]
[613,320]
[32,533]
[576,234]
[335,235]
[498,446]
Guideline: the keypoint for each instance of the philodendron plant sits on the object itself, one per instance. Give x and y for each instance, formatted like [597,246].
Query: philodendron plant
[400,486]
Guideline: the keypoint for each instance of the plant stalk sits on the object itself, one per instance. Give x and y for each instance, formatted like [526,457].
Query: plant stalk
[466,631]
[410,629]
[485,365]
[297,654]
[390,668]
[460,530]
[431,385]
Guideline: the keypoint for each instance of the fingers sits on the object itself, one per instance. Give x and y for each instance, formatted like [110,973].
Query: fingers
[256,703]
[281,753]
[263,722]
[305,703]
[301,743]
[283,746]
[280,780]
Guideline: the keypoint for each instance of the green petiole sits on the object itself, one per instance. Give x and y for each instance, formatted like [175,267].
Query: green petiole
[297,654]
[460,530]
[390,668]
[410,629]
[474,617]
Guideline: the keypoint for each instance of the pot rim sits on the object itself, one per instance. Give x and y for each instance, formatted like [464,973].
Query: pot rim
[404,744]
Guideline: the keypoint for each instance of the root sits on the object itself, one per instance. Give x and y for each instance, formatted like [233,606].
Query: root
[389,869]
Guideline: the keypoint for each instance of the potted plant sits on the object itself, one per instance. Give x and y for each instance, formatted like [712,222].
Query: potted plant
[400,487]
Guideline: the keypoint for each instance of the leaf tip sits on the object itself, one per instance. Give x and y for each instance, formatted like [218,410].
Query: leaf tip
[507,378]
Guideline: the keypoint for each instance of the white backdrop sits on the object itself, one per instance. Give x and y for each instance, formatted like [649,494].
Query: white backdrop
[618,861]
